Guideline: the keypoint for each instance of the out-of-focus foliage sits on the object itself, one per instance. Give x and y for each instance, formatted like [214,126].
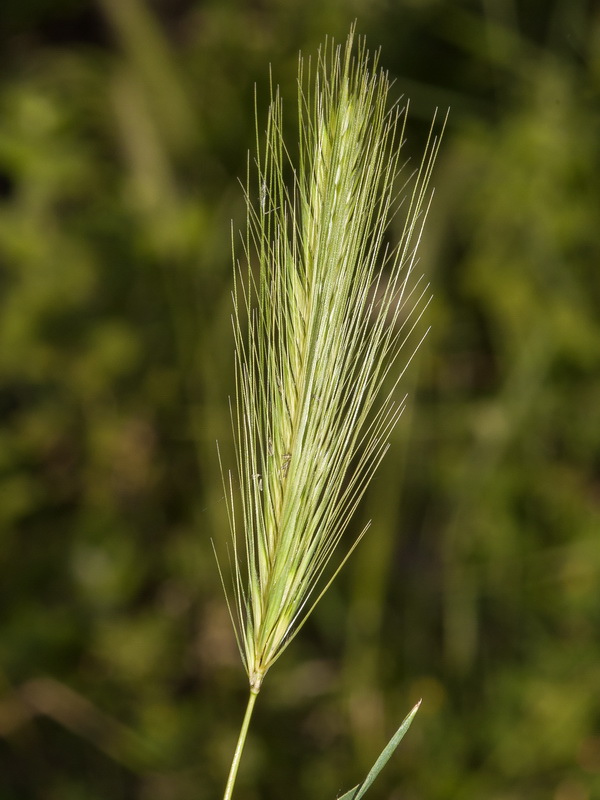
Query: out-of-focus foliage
[124,128]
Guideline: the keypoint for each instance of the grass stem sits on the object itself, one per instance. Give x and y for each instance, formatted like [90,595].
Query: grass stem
[239,748]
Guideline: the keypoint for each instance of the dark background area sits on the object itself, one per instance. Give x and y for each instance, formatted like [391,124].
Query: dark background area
[124,128]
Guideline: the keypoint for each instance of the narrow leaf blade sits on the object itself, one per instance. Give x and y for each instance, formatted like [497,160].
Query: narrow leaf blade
[386,754]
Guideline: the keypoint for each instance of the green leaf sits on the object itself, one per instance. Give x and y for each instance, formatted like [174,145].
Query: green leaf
[386,754]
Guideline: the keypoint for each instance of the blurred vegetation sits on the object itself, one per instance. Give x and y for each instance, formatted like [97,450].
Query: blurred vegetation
[124,128]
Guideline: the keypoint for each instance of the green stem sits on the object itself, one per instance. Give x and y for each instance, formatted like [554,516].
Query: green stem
[240,746]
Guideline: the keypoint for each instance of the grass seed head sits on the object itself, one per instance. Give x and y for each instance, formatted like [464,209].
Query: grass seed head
[324,316]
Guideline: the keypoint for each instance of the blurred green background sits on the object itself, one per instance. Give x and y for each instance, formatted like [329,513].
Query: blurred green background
[124,128]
